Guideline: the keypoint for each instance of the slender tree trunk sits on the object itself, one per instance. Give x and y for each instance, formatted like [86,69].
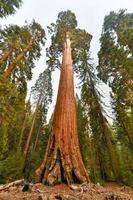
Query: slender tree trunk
[5,55]
[23,126]
[31,129]
[63,161]
[37,137]
[12,65]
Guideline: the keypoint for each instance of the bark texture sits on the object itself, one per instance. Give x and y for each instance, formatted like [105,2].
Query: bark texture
[63,161]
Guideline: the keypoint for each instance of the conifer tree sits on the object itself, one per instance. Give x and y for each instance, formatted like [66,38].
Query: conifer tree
[9,7]
[115,68]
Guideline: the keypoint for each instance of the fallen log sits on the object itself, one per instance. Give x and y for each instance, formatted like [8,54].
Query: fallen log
[12,184]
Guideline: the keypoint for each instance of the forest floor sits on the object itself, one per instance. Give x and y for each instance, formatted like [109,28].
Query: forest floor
[111,191]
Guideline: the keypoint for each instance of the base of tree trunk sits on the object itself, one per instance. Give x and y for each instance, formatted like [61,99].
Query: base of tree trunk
[55,168]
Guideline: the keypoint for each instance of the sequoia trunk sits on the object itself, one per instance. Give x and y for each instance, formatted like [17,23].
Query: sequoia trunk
[63,161]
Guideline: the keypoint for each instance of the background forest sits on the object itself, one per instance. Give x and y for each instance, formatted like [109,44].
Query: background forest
[106,148]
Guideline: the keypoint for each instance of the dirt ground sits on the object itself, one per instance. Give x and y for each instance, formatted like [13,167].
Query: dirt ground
[110,191]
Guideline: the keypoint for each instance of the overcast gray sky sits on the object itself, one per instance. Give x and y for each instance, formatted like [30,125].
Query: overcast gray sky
[90,16]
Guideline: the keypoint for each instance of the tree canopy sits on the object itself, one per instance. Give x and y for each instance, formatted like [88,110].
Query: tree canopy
[66,22]
[8,7]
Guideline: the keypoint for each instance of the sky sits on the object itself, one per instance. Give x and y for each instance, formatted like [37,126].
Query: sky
[89,14]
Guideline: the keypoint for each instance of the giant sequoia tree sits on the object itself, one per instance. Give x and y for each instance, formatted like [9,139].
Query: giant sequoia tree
[63,160]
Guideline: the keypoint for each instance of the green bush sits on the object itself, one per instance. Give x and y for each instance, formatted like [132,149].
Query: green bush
[11,168]
[128,178]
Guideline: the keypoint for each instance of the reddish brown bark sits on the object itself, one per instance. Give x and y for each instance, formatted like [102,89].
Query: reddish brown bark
[31,129]
[5,55]
[63,161]
[12,65]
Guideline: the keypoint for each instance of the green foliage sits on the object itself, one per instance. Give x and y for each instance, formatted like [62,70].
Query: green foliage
[106,164]
[13,90]
[17,39]
[115,68]
[43,89]
[12,112]
[4,141]
[115,61]
[20,46]
[11,115]
[66,22]
[36,156]
[11,168]
[8,7]
[83,133]
[126,167]
[115,55]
